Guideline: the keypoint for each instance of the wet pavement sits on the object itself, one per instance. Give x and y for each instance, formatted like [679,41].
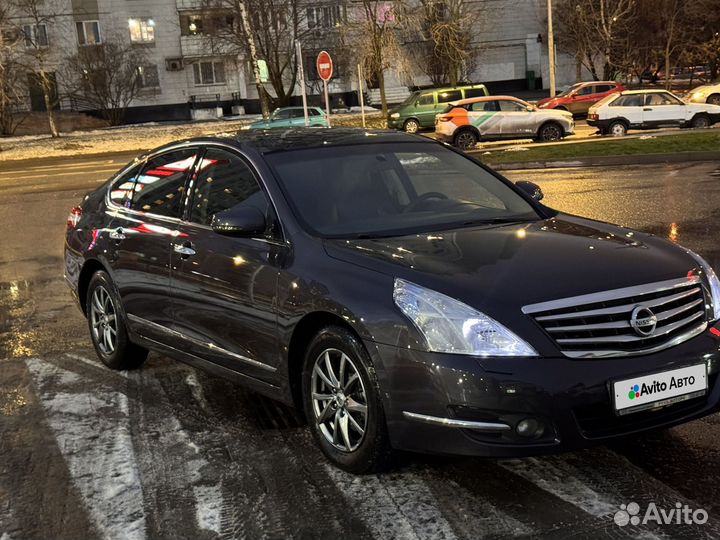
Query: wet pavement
[170,452]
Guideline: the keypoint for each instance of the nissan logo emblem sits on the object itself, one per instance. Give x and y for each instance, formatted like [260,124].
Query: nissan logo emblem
[643,321]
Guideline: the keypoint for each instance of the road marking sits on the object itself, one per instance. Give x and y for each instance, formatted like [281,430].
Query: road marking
[93,434]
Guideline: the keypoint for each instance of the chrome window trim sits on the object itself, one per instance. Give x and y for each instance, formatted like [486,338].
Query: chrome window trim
[612,294]
[210,346]
[454,423]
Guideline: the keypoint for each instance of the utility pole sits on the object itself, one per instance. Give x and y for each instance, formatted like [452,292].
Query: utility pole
[551,48]
[301,75]
[254,59]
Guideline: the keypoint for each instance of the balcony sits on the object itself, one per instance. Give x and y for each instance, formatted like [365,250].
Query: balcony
[201,45]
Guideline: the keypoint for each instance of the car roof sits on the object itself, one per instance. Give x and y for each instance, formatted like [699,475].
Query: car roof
[483,98]
[267,141]
[588,83]
[646,91]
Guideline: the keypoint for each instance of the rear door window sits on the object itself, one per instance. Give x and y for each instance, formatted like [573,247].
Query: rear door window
[160,186]
[485,106]
[474,92]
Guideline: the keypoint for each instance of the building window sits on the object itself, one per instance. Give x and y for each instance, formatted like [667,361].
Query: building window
[324,17]
[88,32]
[142,30]
[209,73]
[35,35]
[148,76]
[206,24]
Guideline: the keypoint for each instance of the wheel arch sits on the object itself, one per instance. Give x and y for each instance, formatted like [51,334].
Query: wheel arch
[303,333]
[551,121]
[89,269]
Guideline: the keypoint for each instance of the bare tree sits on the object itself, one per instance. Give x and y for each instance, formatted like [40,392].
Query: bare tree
[11,89]
[444,45]
[39,14]
[106,77]
[374,33]
[597,31]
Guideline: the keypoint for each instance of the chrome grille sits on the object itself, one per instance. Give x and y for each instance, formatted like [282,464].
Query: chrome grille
[607,323]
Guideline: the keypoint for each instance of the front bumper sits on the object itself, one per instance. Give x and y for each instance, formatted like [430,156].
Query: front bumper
[453,404]
[394,123]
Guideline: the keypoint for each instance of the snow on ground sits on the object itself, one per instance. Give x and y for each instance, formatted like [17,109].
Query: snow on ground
[136,137]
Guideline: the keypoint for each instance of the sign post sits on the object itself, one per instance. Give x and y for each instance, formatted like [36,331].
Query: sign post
[324,65]
[301,74]
[360,94]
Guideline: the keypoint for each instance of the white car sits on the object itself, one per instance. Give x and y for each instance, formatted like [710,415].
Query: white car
[648,109]
[490,118]
[710,93]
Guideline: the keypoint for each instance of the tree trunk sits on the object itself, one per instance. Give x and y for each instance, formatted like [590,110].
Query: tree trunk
[49,105]
[381,85]
[254,60]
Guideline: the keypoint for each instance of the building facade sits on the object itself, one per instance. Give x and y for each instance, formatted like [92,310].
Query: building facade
[191,71]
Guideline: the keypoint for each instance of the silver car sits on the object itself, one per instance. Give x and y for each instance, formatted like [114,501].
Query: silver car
[466,122]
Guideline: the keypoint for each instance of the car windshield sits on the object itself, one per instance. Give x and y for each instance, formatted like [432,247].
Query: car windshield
[393,189]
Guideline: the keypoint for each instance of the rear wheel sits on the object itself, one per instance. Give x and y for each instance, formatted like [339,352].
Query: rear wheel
[550,132]
[700,121]
[107,326]
[411,126]
[342,402]
[466,139]
[714,99]
[617,128]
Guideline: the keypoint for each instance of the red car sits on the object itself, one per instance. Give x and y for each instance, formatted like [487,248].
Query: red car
[581,96]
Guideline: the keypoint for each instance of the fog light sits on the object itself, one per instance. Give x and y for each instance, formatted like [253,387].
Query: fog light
[530,428]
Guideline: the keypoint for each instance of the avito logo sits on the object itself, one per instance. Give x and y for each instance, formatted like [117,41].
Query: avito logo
[637,390]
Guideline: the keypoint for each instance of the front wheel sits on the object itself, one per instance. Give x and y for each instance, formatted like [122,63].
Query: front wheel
[107,326]
[550,132]
[411,126]
[341,398]
[714,99]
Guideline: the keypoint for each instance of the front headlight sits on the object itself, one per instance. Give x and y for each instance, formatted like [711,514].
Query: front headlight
[713,282]
[395,115]
[697,95]
[449,326]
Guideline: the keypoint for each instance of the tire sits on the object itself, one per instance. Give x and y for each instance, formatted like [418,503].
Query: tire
[465,139]
[549,132]
[700,121]
[617,128]
[714,99]
[355,402]
[108,330]
[411,126]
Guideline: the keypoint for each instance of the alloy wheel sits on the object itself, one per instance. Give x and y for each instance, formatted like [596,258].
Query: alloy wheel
[411,126]
[103,319]
[339,401]
[617,130]
[465,140]
[551,132]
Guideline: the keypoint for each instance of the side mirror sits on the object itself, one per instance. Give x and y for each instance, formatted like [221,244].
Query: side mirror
[239,221]
[531,189]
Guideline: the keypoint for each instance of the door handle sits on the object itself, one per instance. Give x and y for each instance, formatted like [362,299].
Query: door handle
[647,109]
[184,250]
[117,235]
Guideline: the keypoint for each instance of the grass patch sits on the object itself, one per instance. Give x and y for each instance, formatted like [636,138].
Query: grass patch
[372,120]
[706,141]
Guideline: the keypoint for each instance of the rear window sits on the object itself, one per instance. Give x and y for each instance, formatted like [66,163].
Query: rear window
[449,95]
[474,92]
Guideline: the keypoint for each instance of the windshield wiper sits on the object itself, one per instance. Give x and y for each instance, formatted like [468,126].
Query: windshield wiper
[493,221]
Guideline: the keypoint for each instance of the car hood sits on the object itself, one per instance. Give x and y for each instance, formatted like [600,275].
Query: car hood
[547,101]
[508,266]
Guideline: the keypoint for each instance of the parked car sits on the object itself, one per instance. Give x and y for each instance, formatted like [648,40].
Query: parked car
[581,96]
[709,93]
[401,293]
[466,122]
[286,117]
[648,109]
[419,109]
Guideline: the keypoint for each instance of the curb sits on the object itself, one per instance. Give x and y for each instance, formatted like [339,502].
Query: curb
[604,161]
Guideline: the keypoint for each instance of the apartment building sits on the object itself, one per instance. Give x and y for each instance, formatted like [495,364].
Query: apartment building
[189,71]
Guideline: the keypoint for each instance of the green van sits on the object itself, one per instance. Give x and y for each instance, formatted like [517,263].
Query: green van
[419,109]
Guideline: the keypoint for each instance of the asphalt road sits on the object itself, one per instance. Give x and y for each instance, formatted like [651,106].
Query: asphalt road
[170,452]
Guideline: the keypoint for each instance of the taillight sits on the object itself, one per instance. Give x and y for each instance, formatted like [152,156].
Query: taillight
[74,217]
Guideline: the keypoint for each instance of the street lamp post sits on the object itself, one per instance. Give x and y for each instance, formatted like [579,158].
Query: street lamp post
[551,48]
